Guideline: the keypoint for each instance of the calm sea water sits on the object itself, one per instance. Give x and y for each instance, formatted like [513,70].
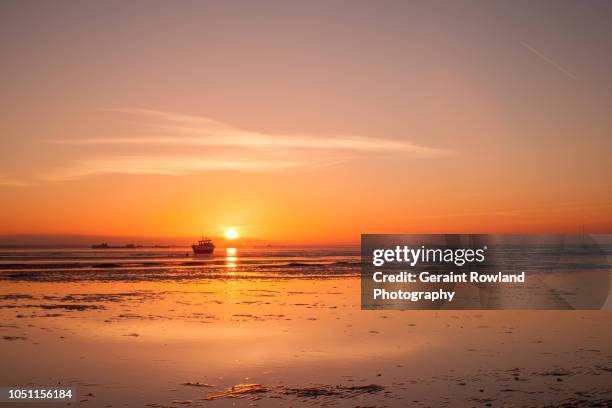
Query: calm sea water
[73,264]
[177,263]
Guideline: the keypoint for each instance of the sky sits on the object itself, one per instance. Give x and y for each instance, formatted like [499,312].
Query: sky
[306,122]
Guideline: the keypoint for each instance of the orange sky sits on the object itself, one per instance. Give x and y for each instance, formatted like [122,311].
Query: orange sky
[310,122]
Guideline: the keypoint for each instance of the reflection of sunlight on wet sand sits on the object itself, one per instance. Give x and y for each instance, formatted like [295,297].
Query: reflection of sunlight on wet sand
[273,317]
[287,332]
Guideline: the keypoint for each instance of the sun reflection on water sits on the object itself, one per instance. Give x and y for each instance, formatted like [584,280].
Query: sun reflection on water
[231,258]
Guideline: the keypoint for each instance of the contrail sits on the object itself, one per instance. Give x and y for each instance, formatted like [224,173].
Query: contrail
[545,58]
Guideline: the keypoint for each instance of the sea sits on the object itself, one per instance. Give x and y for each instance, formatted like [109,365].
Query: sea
[176,263]
[261,262]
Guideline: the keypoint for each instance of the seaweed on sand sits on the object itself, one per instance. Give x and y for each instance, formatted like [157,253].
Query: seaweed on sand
[238,391]
[328,390]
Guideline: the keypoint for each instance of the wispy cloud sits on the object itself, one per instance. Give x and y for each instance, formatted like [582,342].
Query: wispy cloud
[177,129]
[199,144]
[522,212]
[548,60]
[11,182]
[163,165]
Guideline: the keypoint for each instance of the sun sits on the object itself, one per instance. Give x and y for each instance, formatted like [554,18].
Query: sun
[231,233]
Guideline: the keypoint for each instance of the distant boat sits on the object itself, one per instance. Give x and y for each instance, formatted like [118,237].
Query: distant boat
[105,245]
[204,246]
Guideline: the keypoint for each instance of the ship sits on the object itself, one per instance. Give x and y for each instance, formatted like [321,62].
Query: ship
[105,245]
[204,246]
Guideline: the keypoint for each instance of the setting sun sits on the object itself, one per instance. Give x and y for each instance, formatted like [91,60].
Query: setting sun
[231,233]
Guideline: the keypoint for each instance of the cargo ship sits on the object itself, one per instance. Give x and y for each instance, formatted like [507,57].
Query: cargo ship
[105,245]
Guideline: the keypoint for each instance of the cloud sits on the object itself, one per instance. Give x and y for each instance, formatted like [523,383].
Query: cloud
[163,165]
[8,181]
[185,130]
[192,144]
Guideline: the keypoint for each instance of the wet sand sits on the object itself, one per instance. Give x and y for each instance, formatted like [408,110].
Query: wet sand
[292,342]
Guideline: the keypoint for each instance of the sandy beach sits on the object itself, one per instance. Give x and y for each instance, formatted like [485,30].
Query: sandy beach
[301,339]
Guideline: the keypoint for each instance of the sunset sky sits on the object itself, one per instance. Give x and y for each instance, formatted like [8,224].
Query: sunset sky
[309,122]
